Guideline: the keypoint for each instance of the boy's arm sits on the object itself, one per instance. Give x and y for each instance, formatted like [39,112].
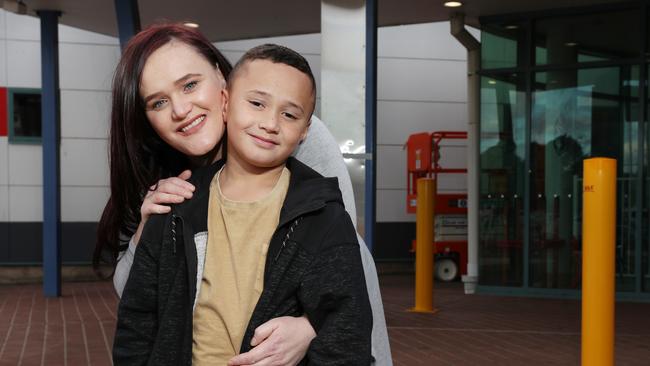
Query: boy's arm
[335,299]
[137,320]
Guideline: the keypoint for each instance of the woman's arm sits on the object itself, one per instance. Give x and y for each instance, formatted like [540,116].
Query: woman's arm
[278,342]
[321,152]
[167,191]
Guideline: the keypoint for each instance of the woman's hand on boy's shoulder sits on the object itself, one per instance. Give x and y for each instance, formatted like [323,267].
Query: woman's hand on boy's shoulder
[168,191]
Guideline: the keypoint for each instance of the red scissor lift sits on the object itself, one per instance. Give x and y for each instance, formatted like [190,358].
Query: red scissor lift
[450,241]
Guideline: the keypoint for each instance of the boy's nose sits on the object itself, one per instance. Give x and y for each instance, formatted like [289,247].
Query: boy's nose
[180,108]
[270,123]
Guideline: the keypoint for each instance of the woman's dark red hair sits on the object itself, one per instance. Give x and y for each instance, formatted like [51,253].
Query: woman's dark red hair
[138,157]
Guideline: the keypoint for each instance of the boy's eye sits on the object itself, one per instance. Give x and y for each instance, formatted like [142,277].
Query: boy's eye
[189,86]
[255,103]
[289,115]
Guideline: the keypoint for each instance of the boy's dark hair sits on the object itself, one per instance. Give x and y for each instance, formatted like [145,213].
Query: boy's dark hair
[276,54]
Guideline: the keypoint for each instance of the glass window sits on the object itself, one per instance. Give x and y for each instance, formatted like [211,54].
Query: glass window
[586,38]
[578,114]
[24,115]
[502,150]
[645,251]
[502,45]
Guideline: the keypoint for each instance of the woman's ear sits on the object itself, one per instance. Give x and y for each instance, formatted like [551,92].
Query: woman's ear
[224,103]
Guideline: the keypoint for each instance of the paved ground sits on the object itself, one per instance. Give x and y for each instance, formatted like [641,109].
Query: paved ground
[77,328]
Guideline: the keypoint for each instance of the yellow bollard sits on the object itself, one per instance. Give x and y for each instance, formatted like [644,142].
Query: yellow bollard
[424,246]
[598,261]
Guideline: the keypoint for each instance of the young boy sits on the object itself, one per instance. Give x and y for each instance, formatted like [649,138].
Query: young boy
[280,243]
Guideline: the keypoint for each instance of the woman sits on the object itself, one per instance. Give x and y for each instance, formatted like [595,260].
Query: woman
[161,125]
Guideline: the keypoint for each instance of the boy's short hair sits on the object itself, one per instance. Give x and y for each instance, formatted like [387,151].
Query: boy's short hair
[279,55]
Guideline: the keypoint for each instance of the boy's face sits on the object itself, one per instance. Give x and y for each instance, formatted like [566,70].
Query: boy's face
[267,109]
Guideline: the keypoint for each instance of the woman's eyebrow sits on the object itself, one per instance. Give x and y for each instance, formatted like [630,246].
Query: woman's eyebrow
[179,81]
[183,79]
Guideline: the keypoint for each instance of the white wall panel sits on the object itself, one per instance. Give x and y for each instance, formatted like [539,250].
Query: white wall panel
[76,35]
[3,24]
[84,162]
[430,40]
[305,44]
[23,64]
[391,167]
[85,113]
[22,27]
[396,121]
[4,161]
[3,62]
[421,80]
[25,204]
[452,183]
[4,203]
[25,164]
[391,206]
[83,204]
[453,154]
[87,66]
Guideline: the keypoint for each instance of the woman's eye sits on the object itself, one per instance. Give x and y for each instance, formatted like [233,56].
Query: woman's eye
[158,104]
[189,86]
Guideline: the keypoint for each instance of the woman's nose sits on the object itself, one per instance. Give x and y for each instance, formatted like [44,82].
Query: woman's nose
[181,107]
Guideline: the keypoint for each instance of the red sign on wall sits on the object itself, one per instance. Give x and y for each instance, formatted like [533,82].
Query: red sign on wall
[3,111]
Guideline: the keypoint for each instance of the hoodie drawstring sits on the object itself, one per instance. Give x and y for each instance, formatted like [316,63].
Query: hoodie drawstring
[286,237]
[173,225]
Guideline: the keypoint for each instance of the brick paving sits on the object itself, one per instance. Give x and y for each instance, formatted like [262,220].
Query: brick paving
[77,328]
[492,330]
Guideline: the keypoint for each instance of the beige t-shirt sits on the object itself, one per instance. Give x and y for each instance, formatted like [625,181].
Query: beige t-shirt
[233,278]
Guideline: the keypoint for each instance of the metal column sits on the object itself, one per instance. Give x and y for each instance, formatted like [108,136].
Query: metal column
[370,212]
[51,131]
[128,19]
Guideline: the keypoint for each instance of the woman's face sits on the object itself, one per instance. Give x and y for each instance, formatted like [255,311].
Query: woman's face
[182,95]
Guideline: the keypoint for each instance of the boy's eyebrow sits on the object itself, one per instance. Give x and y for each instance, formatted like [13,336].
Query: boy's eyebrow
[179,81]
[265,94]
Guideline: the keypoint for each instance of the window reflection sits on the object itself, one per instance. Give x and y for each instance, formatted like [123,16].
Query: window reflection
[578,114]
[502,180]
[501,45]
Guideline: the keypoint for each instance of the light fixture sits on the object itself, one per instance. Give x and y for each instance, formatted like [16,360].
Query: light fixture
[511,27]
[13,6]
[492,82]
[571,44]
[191,25]
[453,4]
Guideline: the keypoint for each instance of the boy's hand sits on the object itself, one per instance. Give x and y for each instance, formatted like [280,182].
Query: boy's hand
[278,342]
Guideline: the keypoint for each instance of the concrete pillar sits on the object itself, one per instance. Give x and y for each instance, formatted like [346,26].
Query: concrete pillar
[344,95]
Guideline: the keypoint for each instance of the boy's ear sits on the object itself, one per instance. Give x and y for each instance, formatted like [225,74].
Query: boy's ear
[224,103]
[303,136]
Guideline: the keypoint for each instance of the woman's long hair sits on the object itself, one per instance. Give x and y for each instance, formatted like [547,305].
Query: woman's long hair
[138,156]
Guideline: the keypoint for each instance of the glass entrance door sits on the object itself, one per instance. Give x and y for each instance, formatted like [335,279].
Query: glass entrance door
[578,114]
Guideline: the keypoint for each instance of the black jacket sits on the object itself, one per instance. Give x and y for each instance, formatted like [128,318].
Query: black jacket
[313,267]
